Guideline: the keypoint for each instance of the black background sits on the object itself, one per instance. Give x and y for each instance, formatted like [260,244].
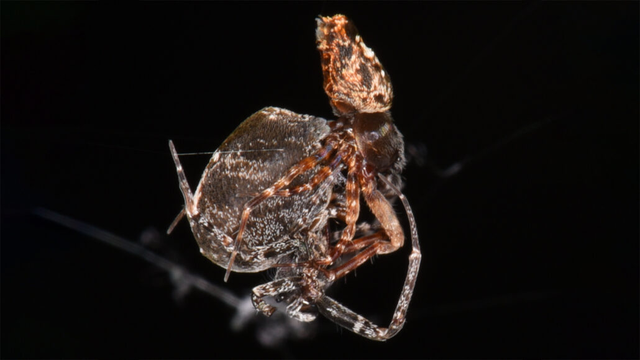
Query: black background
[530,251]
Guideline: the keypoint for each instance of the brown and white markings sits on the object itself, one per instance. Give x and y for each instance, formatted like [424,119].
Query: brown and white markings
[268,193]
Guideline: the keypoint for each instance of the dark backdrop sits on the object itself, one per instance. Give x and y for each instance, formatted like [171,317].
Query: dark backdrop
[530,251]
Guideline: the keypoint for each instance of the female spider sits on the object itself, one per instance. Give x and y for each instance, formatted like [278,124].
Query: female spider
[268,192]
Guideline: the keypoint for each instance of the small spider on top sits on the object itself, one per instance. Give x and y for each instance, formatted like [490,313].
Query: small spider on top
[273,189]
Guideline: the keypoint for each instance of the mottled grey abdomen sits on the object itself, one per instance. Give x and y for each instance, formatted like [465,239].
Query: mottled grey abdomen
[256,155]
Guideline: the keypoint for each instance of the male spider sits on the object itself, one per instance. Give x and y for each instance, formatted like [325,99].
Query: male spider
[268,192]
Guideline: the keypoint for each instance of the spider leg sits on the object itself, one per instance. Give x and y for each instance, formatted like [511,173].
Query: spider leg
[189,208]
[345,317]
[365,241]
[322,175]
[298,306]
[352,212]
[360,258]
[415,244]
[386,215]
[352,192]
[272,288]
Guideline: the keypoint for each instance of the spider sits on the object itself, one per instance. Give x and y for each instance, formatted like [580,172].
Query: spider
[268,193]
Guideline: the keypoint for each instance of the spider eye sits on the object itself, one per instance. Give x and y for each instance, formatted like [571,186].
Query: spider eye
[378,139]
[372,136]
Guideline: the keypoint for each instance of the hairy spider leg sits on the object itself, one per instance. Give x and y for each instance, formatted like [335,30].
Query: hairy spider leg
[352,196]
[365,241]
[272,288]
[322,175]
[184,187]
[384,212]
[345,317]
